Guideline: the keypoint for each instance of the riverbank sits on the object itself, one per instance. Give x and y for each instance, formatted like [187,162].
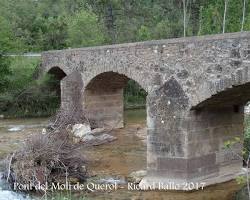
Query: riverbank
[113,162]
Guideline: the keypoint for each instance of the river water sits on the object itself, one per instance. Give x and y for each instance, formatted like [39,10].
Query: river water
[110,162]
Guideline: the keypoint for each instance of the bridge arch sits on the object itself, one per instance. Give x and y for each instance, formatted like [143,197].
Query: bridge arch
[56,75]
[183,145]
[228,90]
[103,99]
[57,72]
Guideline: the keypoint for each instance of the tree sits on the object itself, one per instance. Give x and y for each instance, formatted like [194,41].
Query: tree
[163,30]
[247,23]
[243,16]
[85,30]
[224,16]
[6,43]
[186,14]
[143,33]
[55,33]
[211,18]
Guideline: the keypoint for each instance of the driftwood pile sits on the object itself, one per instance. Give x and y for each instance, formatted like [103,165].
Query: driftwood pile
[50,157]
[63,119]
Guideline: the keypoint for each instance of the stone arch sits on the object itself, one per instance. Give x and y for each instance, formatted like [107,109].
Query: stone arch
[141,77]
[217,116]
[58,75]
[103,99]
[57,72]
[226,91]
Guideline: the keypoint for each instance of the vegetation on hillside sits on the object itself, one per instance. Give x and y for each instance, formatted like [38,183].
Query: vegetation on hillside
[45,25]
[24,96]
[40,25]
[34,26]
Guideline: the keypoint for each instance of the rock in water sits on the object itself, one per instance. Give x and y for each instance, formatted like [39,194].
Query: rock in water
[136,177]
[88,138]
[113,180]
[91,140]
[83,133]
[98,131]
[81,130]
[16,128]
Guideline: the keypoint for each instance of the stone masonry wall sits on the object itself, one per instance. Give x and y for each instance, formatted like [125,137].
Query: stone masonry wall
[104,108]
[202,65]
[208,130]
[196,91]
[71,91]
[103,100]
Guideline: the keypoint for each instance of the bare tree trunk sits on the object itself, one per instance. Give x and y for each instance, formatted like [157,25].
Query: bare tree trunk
[243,16]
[111,23]
[224,18]
[184,18]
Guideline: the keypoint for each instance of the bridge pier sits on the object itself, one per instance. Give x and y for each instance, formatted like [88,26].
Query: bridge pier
[186,147]
[210,128]
[104,107]
[71,92]
[103,100]
[196,91]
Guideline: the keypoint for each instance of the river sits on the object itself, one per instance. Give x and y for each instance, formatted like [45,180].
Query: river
[110,162]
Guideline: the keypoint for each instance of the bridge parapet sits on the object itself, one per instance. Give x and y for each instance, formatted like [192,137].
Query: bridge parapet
[195,97]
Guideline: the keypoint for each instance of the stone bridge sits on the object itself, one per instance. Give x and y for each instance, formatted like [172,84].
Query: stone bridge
[197,88]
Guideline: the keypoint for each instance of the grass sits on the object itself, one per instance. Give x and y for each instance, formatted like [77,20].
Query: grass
[134,96]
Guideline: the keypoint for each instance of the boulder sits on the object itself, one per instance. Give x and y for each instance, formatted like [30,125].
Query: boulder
[83,133]
[136,177]
[98,131]
[91,140]
[81,130]
[88,138]
[113,180]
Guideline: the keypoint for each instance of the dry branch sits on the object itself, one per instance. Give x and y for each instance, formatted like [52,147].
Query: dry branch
[50,157]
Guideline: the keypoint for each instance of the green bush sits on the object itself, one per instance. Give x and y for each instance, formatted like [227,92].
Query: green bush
[25,96]
[134,95]
[247,134]
[84,30]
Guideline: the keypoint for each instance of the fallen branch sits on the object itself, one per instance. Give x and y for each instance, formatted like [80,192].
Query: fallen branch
[10,166]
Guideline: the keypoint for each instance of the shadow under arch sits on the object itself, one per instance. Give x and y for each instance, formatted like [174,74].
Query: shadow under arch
[103,99]
[57,72]
[55,76]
